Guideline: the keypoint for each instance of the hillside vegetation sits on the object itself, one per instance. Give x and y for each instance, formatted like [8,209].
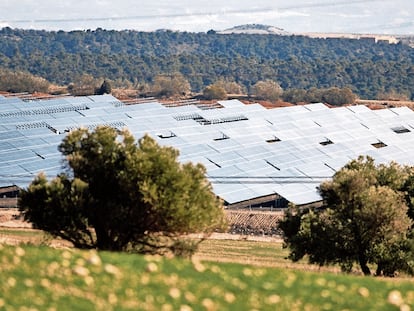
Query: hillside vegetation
[40,278]
[136,58]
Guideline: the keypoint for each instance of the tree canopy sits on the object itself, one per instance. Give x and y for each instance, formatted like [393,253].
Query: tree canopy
[214,91]
[365,220]
[105,88]
[171,85]
[119,195]
[268,90]
[366,67]
[17,82]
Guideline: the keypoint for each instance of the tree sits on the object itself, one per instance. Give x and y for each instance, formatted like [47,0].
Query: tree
[408,190]
[338,97]
[214,91]
[314,95]
[294,95]
[174,85]
[117,195]
[334,96]
[393,95]
[83,85]
[268,90]
[364,220]
[18,82]
[106,88]
[230,87]
[368,68]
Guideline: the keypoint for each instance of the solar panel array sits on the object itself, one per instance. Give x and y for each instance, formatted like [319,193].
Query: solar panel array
[249,151]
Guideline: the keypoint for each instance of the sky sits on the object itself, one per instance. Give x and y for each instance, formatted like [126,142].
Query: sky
[296,16]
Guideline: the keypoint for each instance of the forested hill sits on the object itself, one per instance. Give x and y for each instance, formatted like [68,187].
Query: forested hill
[368,68]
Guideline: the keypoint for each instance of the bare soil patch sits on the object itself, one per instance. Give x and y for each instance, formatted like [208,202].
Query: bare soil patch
[12,218]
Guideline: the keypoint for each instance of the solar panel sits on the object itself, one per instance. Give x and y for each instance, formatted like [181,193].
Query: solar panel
[6,146]
[230,139]
[41,165]
[226,158]
[18,155]
[190,150]
[230,103]
[10,135]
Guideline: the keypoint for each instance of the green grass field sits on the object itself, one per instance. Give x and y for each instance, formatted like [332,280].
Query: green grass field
[43,278]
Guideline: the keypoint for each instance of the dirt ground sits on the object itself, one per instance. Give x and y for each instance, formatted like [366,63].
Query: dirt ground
[11,218]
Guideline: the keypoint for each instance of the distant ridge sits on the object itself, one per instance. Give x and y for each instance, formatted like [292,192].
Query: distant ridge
[272,30]
[256,29]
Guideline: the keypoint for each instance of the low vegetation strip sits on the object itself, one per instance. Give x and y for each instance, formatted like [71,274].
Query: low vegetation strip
[43,278]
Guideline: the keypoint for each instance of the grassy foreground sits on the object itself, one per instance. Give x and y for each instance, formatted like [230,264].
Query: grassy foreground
[42,278]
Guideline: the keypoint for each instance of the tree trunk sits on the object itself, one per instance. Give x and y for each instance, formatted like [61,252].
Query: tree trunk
[103,241]
[379,269]
[363,262]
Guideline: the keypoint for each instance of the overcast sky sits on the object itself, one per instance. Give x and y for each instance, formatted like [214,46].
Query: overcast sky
[356,16]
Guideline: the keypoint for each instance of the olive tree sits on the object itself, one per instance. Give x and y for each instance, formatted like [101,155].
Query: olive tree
[364,220]
[123,196]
